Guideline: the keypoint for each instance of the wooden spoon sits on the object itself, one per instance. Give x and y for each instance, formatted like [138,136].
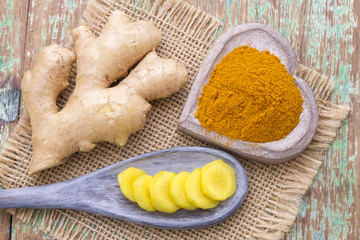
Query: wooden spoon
[261,37]
[98,192]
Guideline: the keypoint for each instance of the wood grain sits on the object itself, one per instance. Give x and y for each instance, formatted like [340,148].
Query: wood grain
[325,36]
[13,16]
[5,225]
[50,21]
[12,44]
[22,231]
[324,43]
[35,24]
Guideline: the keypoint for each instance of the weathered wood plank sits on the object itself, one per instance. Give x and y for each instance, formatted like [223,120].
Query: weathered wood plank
[325,36]
[12,43]
[22,231]
[231,13]
[322,35]
[5,225]
[49,21]
[353,137]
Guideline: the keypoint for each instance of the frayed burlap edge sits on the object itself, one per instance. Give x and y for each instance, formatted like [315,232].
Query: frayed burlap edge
[189,19]
[279,212]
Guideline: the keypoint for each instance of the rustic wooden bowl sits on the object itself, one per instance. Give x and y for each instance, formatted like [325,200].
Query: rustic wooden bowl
[261,37]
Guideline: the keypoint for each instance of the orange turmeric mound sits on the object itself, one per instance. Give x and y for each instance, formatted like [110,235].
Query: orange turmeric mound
[251,97]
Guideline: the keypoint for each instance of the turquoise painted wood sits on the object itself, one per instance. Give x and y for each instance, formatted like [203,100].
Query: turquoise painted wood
[12,44]
[325,35]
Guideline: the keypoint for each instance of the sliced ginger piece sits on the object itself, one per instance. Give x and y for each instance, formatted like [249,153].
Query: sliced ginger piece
[159,192]
[177,191]
[126,179]
[141,192]
[194,193]
[218,180]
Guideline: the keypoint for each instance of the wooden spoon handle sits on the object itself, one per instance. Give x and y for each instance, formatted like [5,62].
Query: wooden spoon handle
[47,196]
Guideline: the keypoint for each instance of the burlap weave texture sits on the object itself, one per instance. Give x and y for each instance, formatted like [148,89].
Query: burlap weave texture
[274,190]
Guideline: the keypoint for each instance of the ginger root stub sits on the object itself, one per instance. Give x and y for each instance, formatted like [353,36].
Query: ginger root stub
[95,112]
[167,192]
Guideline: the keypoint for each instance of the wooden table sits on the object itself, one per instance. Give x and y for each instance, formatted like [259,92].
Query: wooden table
[325,35]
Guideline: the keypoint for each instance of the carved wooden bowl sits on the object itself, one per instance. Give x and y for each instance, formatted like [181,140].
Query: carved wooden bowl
[261,37]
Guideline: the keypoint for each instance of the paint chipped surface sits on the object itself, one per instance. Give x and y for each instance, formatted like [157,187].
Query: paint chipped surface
[26,27]
[322,34]
[10,65]
[9,104]
[325,35]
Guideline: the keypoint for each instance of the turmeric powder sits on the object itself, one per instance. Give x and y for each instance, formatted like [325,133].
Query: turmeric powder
[250,96]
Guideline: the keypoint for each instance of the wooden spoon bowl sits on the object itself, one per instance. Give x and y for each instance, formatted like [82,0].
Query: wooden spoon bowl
[261,37]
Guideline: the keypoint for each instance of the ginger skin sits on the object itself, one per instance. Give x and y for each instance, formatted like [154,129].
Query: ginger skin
[95,112]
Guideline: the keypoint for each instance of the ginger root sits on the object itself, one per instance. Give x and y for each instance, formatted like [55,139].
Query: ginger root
[96,112]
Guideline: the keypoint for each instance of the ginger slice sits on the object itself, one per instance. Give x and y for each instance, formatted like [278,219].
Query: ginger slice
[194,193]
[177,191]
[159,192]
[126,180]
[218,180]
[141,192]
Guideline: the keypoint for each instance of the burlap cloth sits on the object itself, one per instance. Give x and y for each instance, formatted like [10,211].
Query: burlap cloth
[272,202]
